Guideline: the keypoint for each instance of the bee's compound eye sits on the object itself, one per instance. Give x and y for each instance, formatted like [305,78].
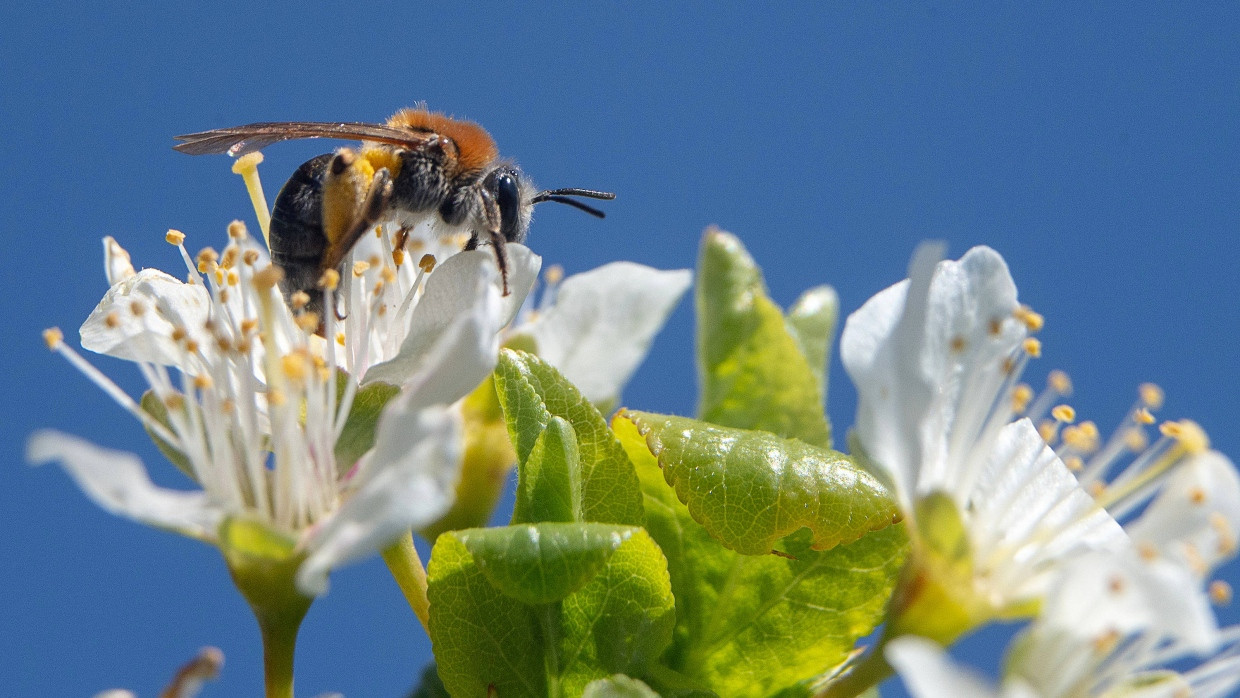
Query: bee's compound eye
[508,196]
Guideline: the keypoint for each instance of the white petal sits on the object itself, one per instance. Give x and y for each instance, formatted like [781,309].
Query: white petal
[927,358]
[1196,516]
[928,672]
[1029,512]
[523,268]
[1118,592]
[464,291]
[602,323]
[407,481]
[116,263]
[136,318]
[117,482]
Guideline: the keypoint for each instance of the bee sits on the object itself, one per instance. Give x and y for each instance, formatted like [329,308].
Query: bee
[419,166]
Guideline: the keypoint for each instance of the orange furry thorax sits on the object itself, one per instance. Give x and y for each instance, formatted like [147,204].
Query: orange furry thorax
[475,148]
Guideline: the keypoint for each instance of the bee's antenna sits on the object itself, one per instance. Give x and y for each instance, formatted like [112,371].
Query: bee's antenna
[560,196]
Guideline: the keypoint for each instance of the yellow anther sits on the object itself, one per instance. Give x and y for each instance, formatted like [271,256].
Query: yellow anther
[1033,321]
[322,373]
[553,275]
[112,320]
[1220,592]
[299,300]
[1059,382]
[237,230]
[250,257]
[202,382]
[206,257]
[1148,551]
[219,276]
[1097,488]
[269,278]
[340,338]
[378,289]
[381,311]
[296,366]
[138,308]
[1022,395]
[388,275]
[53,338]
[179,333]
[175,401]
[329,280]
[308,322]
[958,344]
[1197,496]
[247,163]
[229,260]
[398,257]
[1151,395]
[1047,430]
[1195,561]
[1074,463]
[374,260]
[249,324]
[360,267]
[1189,434]
[227,406]
[275,397]
[1226,536]
[1135,440]
[378,231]
[427,263]
[243,346]
[995,327]
[1116,585]
[174,236]
[414,244]
[223,343]
[1106,642]
[233,278]
[1082,438]
[1032,347]
[1143,416]
[1064,413]
[191,346]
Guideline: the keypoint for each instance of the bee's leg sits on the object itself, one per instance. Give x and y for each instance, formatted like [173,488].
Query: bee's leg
[491,215]
[353,201]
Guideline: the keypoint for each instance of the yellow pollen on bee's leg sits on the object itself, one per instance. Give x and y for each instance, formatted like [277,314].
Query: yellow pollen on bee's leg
[247,167]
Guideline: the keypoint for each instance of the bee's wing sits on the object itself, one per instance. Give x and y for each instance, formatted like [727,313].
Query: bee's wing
[251,137]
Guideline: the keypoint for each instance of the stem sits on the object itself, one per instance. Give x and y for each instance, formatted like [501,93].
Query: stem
[548,620]
[406,568]
[279,641]
[865,675]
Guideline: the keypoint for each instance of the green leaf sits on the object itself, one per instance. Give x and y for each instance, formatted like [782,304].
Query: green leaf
[752,488]
[152,405]
[549,489]
[811,322]
[358,435]
[613,611]
[532,393]
[540,564]
[758,625]
[430,686]
[618,686]
[755,374]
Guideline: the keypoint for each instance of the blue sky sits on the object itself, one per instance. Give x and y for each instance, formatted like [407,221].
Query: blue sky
[1096,148]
